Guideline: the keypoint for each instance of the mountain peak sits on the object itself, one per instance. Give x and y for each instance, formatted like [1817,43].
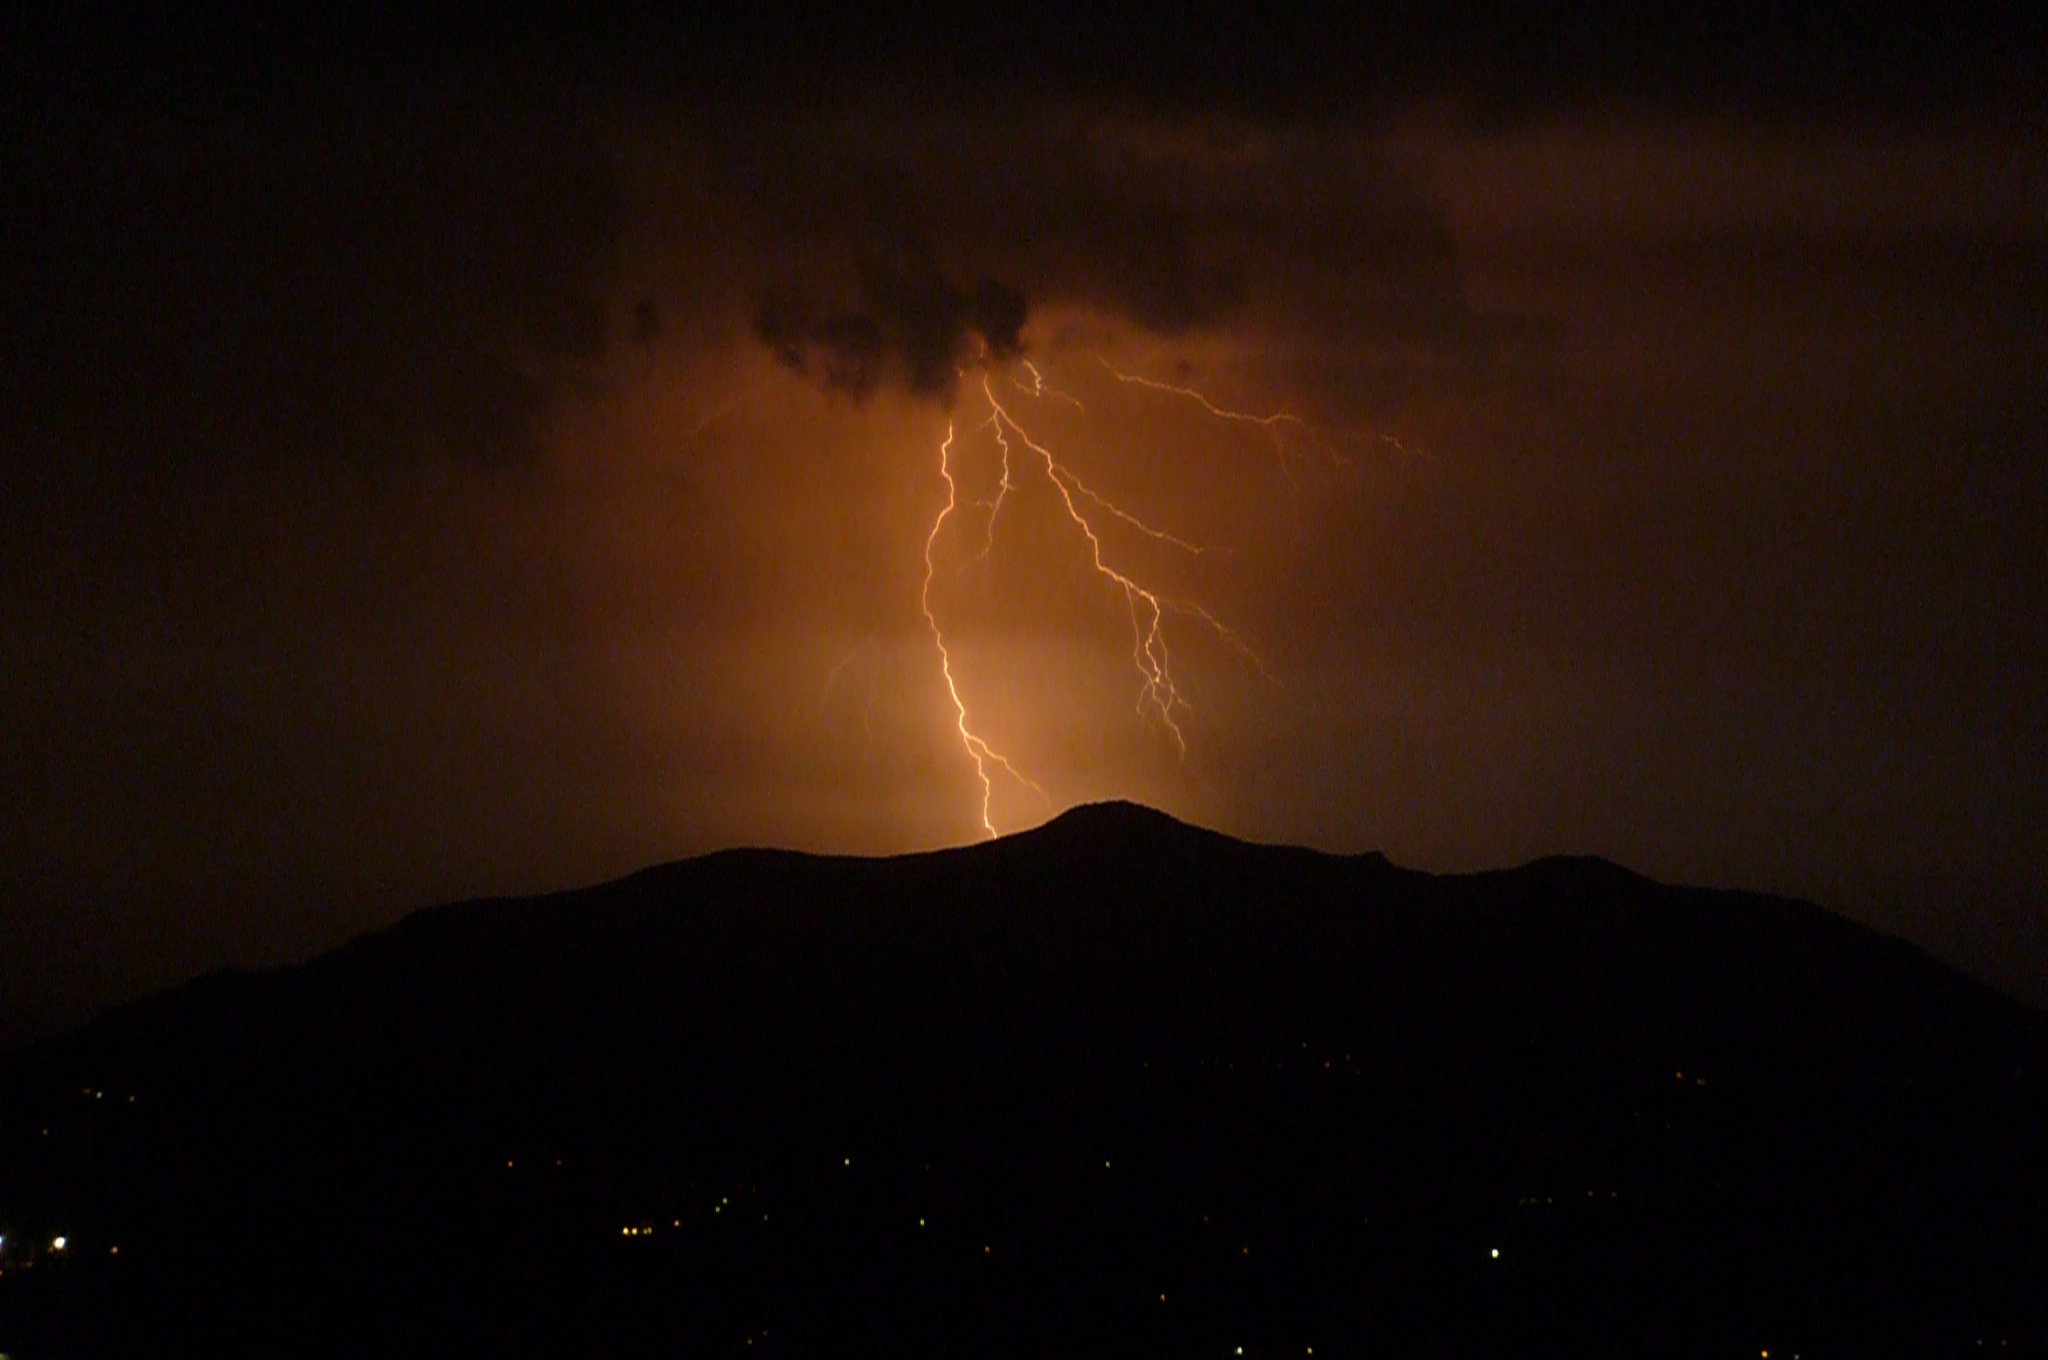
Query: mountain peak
[1120,826]
[1118,816]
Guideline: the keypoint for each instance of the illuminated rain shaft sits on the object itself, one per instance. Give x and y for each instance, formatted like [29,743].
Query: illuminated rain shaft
[1159,697]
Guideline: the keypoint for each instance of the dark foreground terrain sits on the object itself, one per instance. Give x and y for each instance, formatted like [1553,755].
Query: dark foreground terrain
[1116,1087]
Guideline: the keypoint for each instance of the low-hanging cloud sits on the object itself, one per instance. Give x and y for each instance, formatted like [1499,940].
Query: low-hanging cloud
[881,252]
[908,324]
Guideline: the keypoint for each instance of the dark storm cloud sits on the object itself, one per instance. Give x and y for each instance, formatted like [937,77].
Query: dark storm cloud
[1170,227]
[910,324]
[1071,210]
[343,278]
[1908,58]
[1527,63]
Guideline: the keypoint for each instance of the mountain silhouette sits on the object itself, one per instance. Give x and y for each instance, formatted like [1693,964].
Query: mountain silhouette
[1116,1085]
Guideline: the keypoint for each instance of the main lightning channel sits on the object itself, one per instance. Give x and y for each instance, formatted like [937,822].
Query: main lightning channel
[983,754]
[1159,695]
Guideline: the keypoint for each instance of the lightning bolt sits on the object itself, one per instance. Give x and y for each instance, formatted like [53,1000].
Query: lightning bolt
[1038,387]
[1268,422]
[1004,486]
[1097,520]
[983,754]
[1275,422]
[1149,651]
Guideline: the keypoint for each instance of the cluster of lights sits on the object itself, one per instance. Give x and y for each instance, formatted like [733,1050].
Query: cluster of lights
[1535,1200]
[646,1229]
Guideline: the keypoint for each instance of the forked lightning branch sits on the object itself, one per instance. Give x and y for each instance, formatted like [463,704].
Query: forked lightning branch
[1002,400]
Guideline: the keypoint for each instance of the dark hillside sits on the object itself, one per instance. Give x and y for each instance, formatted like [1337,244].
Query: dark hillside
[1000,1100]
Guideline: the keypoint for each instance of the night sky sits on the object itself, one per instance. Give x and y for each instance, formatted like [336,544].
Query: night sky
[467,458]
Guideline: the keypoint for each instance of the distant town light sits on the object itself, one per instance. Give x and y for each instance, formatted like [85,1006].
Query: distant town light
[57,1244]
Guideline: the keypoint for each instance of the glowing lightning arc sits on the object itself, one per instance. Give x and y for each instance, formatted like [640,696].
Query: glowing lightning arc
[979,750]
[1276,419]
[1159,696]
[1148,641]
[1160,699]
